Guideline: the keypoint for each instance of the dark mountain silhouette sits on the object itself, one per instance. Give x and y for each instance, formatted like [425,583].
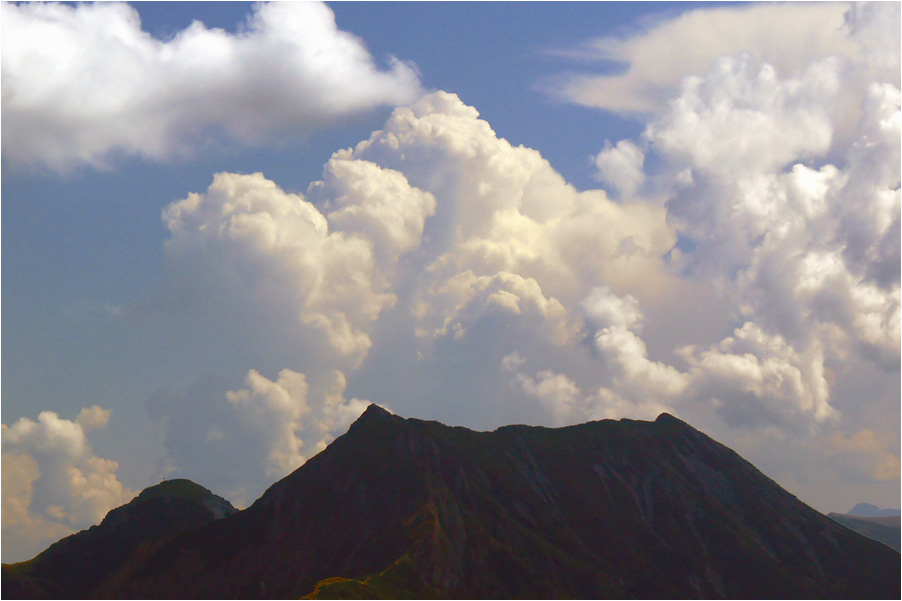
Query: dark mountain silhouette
[887,530]
[404,508]
[74,566]
[872,511]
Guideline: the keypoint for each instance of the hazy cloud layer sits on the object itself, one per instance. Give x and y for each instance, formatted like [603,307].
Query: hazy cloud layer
[84,84]
[53,484]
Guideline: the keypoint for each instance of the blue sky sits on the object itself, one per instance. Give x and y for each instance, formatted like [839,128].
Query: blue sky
[690,208]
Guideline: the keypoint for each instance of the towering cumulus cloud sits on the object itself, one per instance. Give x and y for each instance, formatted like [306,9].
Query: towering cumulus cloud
[434,211]
[779,171]
[83,84]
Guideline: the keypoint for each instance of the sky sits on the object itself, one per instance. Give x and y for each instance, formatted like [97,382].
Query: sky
[229,227]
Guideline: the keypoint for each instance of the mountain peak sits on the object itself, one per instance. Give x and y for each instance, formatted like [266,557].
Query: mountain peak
[675,425]
[666,418]
[374,414]
[374,411]
[176,488]
[183,490]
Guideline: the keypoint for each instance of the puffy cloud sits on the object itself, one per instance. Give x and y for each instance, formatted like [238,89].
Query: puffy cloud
[25,534]
[615,340]
[505,246]
[754,378]
[750,378]
[274,411]
[241,440]
[83,84]
[868,203]
[511,252]
[875,27]
[557,393]
[434,216]
[760,210]
[604,309]
[93,417]
[657,58]
[504,209]
[377,203]
[566,404]
[795,246]
[53,484]
[742,117]
[309,283]
[271,256]
[466,298]
[778,164]
[621,166]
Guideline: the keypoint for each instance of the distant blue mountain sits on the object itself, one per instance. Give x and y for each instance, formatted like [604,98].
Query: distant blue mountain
[872,511]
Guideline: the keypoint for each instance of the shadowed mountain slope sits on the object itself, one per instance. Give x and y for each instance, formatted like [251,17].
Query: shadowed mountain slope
[409,508]
[73,567]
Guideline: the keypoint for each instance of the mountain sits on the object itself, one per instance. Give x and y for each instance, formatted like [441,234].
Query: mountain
[887,530]
[73,567]
[404,508]
[872,511]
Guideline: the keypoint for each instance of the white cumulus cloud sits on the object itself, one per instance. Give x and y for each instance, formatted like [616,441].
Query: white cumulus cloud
[621,166]
[84,84]
[258,248]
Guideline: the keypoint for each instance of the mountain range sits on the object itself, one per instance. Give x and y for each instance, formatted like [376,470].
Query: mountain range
[886,529]
[872,511]
[406,508]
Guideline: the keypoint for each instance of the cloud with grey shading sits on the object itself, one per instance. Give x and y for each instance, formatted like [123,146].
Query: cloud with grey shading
[84,84]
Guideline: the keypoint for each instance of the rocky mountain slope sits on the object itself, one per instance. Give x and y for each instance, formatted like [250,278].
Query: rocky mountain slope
[409,508]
